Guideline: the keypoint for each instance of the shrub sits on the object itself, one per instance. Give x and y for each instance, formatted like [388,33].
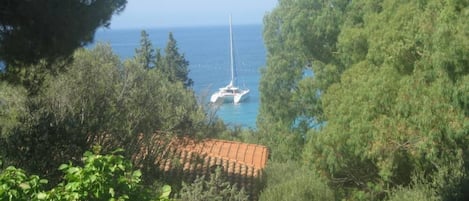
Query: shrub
[213,189]
[289,181]
[102,177]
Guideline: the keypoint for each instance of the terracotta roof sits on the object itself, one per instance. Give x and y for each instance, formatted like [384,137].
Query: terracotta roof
[250,155]
[185,158]
[242,163]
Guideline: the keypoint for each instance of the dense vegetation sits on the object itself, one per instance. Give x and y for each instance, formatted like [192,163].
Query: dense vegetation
[360,100]
[102,177]
[32,32]
[385,114]
[99,99]
[54,106]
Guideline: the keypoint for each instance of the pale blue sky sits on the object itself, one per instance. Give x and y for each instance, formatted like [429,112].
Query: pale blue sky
[177,13]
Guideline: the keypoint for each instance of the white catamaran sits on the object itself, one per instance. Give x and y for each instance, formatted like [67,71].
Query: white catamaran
[230,93]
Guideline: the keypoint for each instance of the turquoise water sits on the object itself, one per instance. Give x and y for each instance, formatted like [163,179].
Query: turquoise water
[207,50]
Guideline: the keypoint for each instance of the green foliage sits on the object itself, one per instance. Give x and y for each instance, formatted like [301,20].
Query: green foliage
[12,108]
[60,118]
[37,38]
[87,91]
[102,177]
[300,36]
[145,54]
[290,181]
[389,92]
[16,185]
[393,113]
[216,188]
[44,29]
[99,100]
[139,100]
[391,131]
[418,192]
[165,192]
[173,64]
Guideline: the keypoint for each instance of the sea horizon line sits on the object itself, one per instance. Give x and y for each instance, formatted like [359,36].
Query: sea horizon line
[175,27]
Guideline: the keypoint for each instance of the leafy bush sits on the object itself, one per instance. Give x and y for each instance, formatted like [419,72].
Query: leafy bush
[12,107]
[214,189]
[16,185]
[420,192]
[102,177]
[98,97]
[290,181]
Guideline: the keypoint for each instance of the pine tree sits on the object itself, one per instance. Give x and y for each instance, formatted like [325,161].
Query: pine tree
[390,87]
[174,65]
[145,53]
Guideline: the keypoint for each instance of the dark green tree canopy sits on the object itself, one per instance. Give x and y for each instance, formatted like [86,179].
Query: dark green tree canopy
[145,53]
[174,65]
[50,29]
[389,90]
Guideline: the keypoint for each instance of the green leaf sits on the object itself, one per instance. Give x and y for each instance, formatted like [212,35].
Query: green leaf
[41,196]
[166,191]
[111,192]
[63,166]
[25,186]
[93,178]
[72,170]
[87,154]
[137,174]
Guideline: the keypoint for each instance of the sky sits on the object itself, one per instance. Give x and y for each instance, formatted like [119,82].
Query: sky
[180,13]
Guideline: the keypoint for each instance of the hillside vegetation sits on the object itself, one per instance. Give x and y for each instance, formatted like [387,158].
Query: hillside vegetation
[385,114]
[359,100]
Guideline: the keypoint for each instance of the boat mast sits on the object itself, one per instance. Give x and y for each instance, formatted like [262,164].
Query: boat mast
[231,55]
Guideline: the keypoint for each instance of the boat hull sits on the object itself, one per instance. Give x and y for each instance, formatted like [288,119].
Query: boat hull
[220,97]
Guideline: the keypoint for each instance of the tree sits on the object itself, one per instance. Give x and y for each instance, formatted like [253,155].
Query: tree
[174,65]
[389,91]
[99,97]
[145,54]
[290,181]
[45,29]
[12,108]
[300,36]
[70,107]
[215,188]
[38,37]
[398,100]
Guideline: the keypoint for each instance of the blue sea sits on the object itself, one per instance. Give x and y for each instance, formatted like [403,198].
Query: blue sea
[207,50]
